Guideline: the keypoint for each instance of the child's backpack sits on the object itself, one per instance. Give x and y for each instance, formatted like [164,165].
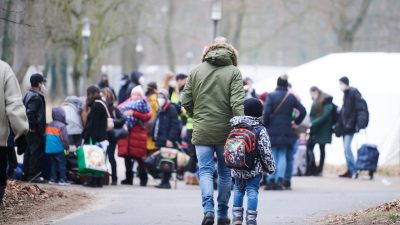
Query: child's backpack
[241,148]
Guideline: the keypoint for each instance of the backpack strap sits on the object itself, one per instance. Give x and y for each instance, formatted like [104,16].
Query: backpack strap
[281,103]
[105,106]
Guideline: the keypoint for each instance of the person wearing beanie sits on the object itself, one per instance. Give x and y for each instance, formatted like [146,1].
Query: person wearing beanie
[123,93]
[283,81]
[213,94]
[166,130]
[14,121]
[263,163]
[35,105]
[350,116]
[278,118]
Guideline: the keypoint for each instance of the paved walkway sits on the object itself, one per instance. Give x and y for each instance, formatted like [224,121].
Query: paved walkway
[312,197]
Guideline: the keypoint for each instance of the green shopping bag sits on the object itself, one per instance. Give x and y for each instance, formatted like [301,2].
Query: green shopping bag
[91,159]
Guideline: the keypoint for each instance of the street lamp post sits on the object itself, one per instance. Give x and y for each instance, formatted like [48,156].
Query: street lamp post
[85,35]
[216,14]
[139,53]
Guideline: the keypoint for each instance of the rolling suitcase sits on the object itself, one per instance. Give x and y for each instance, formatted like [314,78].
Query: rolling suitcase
[367,159]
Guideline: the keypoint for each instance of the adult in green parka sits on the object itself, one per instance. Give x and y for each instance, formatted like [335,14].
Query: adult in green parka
[213,94]
[321,128]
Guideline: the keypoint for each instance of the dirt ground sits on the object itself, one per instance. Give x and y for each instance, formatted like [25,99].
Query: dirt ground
[385,214]
[30,204]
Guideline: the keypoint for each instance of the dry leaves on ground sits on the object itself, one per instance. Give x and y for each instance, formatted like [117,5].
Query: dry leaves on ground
[385,214]
[25,203]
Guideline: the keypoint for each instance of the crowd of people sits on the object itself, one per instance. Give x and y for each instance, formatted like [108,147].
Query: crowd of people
[195,113]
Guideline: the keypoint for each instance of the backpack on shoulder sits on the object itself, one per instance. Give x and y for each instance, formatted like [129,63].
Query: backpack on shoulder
[362,114]
[241,148]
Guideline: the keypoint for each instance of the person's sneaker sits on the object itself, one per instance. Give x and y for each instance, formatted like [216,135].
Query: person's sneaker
[208,219]
[223,221]
[163,186]
[63,183]
[346,175]
[52,182]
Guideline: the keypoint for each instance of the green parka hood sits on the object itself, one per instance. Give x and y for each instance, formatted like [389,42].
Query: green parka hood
[221,55]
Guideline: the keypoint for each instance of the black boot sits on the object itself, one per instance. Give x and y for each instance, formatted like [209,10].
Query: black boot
[208,219]
[287,185]
[2,191]
[346,175]
[165,181]
[279,184]
[129,179]
[114,181]
[142,173]
[270,185]
[143,179]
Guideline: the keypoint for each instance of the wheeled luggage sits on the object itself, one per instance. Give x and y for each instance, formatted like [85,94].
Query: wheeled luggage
[367,159]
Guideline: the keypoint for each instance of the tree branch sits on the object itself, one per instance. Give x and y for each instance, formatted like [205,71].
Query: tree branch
[14,22]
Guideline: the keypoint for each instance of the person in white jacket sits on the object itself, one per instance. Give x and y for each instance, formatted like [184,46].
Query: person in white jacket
[12,114]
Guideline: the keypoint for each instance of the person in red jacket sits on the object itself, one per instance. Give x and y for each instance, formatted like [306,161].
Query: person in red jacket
[134,146]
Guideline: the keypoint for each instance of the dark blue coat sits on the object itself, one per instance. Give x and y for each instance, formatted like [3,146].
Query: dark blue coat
[279,124]
[167,126]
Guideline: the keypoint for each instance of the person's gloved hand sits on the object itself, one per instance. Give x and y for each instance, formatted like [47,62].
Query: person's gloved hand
[21,144]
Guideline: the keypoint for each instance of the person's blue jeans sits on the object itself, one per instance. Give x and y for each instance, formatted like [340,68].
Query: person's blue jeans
[351,165]
[279,155]
[58,165]
[289,161]
[205,156]
[249,186]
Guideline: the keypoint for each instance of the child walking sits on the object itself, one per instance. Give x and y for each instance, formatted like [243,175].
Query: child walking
[56,143]
[248,179]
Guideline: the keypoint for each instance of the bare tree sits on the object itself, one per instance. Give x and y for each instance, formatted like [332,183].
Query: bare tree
[346,18]
[169,46]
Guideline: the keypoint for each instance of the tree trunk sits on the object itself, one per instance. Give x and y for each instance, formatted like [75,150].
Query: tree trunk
[76,74]
[170,52]
[239,24]
[7,45]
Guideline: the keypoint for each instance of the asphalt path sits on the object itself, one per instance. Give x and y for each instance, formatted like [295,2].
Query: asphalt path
[311,198]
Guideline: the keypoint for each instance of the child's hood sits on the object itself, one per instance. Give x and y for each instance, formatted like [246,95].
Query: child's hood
[58,114]
[246,120]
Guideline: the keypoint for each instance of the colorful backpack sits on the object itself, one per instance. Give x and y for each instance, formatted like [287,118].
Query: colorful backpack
[241,148]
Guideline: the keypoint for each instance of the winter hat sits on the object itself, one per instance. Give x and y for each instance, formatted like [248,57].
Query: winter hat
[283,81]
[164,93]
[345,80]
[253,107]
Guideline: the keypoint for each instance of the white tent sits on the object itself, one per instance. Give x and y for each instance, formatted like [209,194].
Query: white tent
[376,76]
